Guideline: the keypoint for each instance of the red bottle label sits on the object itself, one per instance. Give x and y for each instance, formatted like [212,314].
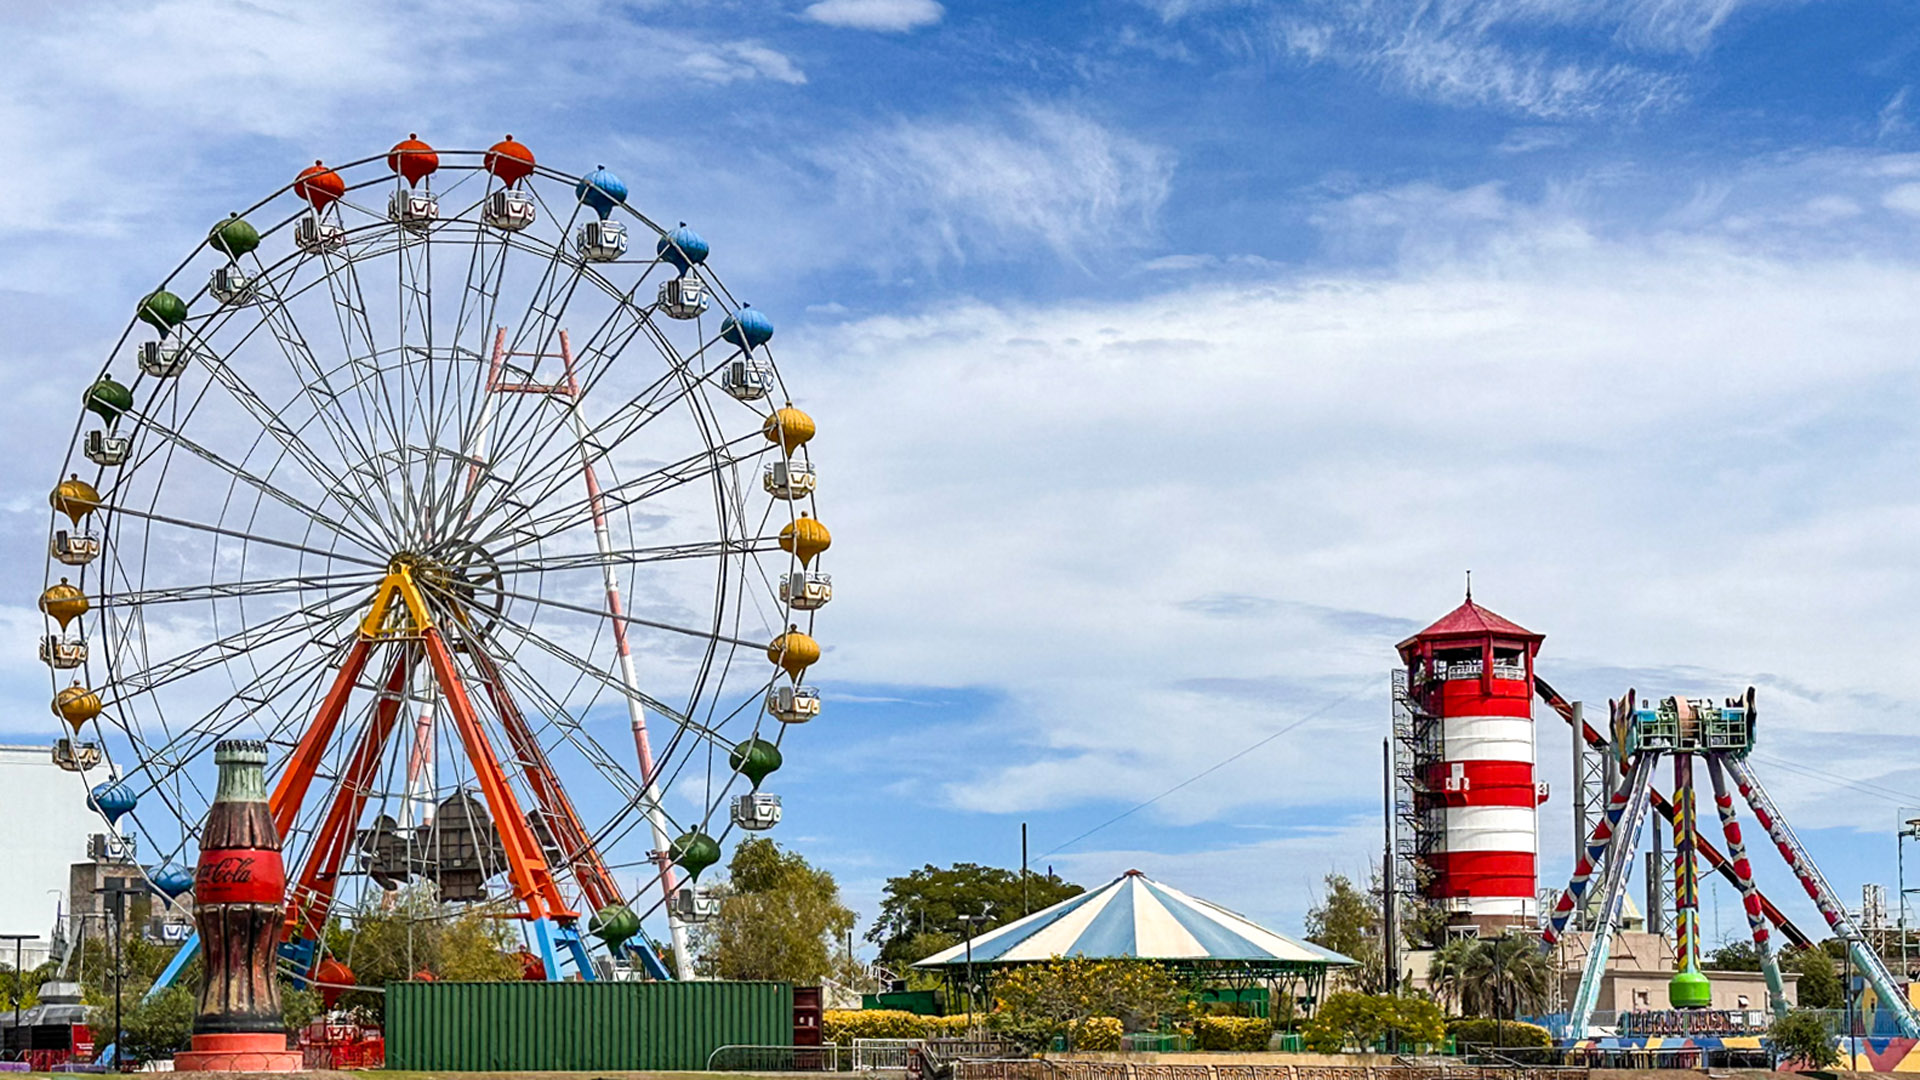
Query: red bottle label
[239,876]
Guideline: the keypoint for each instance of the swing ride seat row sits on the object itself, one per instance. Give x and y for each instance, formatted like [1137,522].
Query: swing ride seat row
[426,507]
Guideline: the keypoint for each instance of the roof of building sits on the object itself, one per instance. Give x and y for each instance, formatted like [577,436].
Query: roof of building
[1134,916]
[1472,620]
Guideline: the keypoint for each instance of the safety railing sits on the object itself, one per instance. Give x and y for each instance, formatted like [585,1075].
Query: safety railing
[744,1058]
[884,1055]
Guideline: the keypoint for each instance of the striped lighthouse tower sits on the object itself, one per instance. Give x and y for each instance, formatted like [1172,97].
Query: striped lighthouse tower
[1473,672]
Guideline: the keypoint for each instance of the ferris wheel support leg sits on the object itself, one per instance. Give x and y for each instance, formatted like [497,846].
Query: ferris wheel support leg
[1749,893]
[526,863]
[1822,895]
[312,896]
[543,939]
[589,870]
[304,763]
[183,956]
[629,677]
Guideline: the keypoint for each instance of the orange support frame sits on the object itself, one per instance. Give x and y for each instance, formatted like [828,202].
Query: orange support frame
[526,863]
[576,848]
[312,896]
[402,624]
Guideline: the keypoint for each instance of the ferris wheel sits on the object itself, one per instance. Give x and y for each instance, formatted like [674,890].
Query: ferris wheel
[475,494]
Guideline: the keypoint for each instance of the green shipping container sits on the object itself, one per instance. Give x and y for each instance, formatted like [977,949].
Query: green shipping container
[579,1026]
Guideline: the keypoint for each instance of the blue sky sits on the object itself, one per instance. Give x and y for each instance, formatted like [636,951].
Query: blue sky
[1172,360]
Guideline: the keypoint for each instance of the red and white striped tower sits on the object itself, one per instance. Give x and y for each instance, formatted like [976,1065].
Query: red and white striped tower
[1474,671]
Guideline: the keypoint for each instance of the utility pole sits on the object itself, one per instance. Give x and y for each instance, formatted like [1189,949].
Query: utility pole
[1026,902]
[1389,903]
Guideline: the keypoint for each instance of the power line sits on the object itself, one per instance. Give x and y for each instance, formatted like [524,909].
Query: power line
[1215,767]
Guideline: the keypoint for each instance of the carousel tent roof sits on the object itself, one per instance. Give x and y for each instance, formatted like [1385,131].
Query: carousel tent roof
[1135,916]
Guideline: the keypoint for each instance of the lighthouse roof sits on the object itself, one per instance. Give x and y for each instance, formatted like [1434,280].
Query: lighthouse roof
[1470,620]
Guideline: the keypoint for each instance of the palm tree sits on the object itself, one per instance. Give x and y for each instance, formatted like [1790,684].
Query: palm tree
[1446,969]
[1503,977]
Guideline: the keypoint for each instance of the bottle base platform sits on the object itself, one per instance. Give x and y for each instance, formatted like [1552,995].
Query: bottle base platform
[251,1052]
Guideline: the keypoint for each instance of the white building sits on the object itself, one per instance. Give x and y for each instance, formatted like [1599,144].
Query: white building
[44,825]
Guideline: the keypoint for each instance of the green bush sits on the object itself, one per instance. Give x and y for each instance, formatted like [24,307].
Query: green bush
[1483,1032]
[1801,1036]
[1097,1033]
[1232,1032]
[845,1025]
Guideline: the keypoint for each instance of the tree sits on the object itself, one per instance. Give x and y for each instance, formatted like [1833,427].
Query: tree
[923,907]
[156,1028]
[1819,986]
[1802,1036]
[1734,956]
[1502,977]
[1446,969]
[780,918]
[1361,1021]
[1039,1001]
[1347,921]
[392,939]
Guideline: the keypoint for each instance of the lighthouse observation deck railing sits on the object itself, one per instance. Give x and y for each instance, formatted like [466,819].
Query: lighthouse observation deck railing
[1449,670]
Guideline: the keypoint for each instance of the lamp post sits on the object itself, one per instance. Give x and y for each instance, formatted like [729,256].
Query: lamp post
[19,978]
[966,924]
[117,889]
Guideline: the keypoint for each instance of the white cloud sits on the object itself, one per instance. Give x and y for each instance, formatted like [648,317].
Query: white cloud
[1551,59]
[1905,198]
[735,61]
[1708,431]
[1040,174]
[893,16]
[1893,115]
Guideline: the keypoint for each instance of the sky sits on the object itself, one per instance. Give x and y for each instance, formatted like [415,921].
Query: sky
[1172,359]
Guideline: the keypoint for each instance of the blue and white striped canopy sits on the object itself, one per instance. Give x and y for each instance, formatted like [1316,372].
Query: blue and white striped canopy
[1135,916]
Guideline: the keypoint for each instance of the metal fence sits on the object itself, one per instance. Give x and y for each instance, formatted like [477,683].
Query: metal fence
[1042,1069]
[884,1055]
[828,1058]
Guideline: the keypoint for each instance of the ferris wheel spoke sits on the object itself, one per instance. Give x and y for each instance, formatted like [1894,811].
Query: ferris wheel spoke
[283,679]
[254,538]
[272,425]
[571,730]
[539,641]
[257,483]
[630,620]
[352,318]
[549,474]
[291,624]
[222,590]
[574,513]
[594,560]
[316,386]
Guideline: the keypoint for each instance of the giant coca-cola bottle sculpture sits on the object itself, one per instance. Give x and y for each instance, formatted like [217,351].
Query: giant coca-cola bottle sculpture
[238,897]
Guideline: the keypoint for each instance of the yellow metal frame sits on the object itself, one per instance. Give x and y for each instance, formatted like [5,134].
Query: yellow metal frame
[398,581]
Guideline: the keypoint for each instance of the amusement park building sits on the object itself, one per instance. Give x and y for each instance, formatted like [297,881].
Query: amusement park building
[44,828]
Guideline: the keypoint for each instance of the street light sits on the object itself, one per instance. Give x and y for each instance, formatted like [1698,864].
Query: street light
[19,979]
[967,922]
[118,889]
